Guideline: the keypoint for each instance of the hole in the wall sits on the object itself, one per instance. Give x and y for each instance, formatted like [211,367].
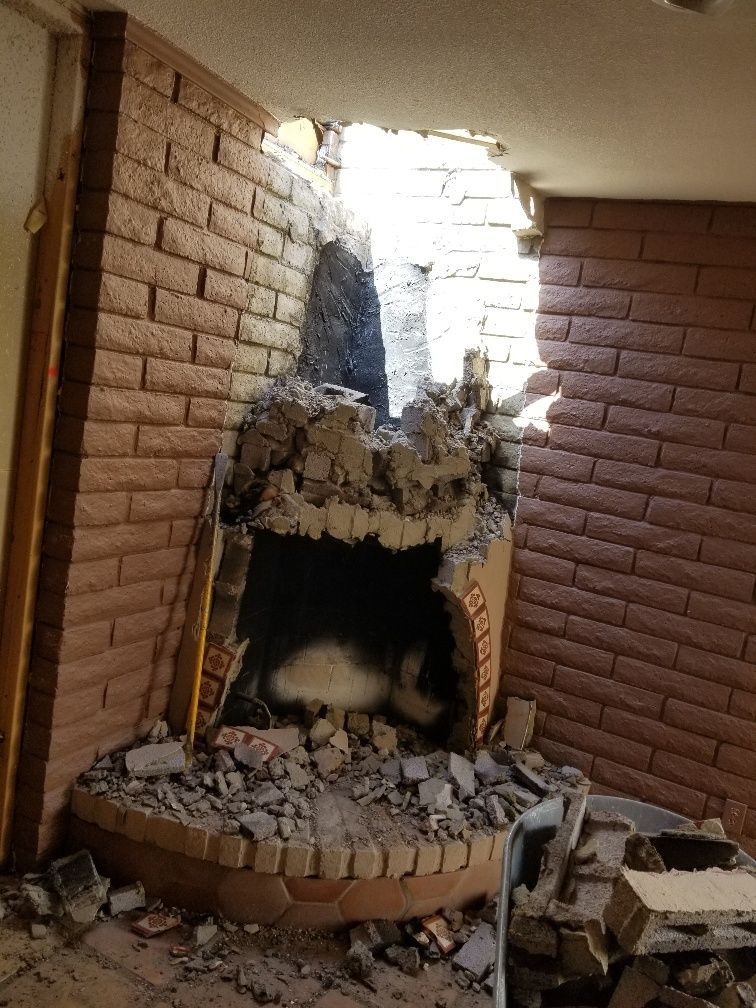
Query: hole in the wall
[356,626]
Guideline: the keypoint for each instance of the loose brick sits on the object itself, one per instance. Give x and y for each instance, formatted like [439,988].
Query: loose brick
[546,515]
[164,504]
[162,563]
[103,367]
[616,244]
[707,250]
[691,310]
[718,782]
[632,588]
[609,528]
[626,334]
[740,615]
[625,640]
[683,630]
[729,465]
[732,525]
[218,182]
[572,600]
[614,390]
[218,113]
[104,211]
[178,442]
[652,481]
[194,313]
[157,190]
[666,426]
[674,217]
[583,301]
[658,735]
[672,683]
[600,743]
[648,788]
[109,293]
[188,379]
[718,580]
[137,336]
[562,651]
[210,250]
[546,567]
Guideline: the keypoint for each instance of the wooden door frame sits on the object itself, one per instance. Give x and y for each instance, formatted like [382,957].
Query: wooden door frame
[68,23]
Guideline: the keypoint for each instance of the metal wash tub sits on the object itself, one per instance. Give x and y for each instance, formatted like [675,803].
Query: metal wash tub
[522,857]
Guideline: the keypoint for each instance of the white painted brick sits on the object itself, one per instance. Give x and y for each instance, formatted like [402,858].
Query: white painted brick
[248,388]
[251,359]
[280,363]
[267,332]
[261,301]
[289,309]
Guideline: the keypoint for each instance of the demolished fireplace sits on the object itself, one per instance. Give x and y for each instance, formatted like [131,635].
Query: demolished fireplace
[363,566]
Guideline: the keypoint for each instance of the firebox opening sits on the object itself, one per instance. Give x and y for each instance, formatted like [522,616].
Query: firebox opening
[356,626]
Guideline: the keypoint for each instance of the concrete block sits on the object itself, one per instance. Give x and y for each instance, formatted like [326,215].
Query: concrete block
[477,955]
[156,760]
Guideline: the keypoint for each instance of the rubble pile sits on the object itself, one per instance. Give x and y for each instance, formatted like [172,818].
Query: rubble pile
[312,461]
[266,783]
[628,919]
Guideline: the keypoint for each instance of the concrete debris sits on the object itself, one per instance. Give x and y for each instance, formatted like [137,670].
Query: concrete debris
[259,825]
[203,933]
[519,722]
[462,773]
[414,769]
[37,930]
[128,897]
[156,759]
[607,924]
[477,955]
[81,889]
[376,935]
[359,961]
[155,923]
[407,959]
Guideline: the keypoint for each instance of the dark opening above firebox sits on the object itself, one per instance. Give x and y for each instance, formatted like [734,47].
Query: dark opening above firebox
[356,626]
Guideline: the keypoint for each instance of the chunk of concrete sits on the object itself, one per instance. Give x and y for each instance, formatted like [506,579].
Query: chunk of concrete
[414,769]
[248,756]
[321,732]
[377,935]
[156,760]
[683,911]
[462,773]
[407,959]
[634,990]
[488,771]
[339,740]
[384,736]
[259,825]
[435,793]
[328,760]
[477,955]
[128,897]
[358,724]
[81,889]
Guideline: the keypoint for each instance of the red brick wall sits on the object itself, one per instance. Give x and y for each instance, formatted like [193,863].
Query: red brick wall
[174,219]
[634,624]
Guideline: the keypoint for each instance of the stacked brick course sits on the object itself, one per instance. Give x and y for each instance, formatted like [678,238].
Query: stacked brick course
[192,264]
[634,622]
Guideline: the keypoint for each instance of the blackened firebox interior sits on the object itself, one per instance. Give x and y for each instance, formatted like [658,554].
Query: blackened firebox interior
[356,626]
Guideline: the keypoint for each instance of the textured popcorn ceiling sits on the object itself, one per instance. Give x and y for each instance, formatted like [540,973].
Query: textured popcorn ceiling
[617,98]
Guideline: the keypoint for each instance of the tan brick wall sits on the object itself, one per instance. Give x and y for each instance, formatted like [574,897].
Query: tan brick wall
[192,262]
[633,622]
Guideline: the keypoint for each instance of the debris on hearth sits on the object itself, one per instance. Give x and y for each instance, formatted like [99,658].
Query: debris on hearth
[265,783]
[626,919]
